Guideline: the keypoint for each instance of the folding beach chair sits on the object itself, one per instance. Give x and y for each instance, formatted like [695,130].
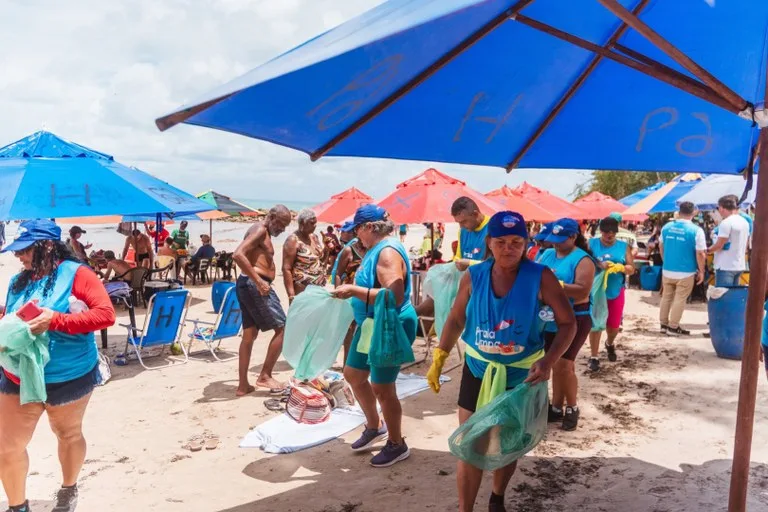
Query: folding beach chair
[428,339]
[163,322]
[228,324]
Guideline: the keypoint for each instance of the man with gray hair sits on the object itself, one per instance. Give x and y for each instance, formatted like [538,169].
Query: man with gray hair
[260,305]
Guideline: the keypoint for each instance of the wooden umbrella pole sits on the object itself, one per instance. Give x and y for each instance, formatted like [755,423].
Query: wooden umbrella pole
[750,365]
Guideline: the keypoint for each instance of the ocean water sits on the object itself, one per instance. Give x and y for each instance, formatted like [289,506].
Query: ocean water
[269,203]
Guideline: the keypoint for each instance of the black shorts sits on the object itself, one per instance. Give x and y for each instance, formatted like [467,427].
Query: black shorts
[583,327]
[469,389]
[60,393]
[264,312]
[141,257]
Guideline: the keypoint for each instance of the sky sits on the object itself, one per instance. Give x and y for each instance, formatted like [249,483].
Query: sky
[99,72]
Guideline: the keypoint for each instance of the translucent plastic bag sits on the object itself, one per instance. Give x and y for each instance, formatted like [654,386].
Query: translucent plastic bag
[390,345]
[442,284]
[314,331]
[24,355]
[510,426]
[599,302]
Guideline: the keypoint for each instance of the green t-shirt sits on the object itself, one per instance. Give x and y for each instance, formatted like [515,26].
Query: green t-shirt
[180,238]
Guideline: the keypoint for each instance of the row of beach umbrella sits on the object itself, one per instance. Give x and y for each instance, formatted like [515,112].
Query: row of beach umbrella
[428,196]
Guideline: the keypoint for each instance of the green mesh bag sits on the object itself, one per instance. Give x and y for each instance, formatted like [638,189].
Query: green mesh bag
[510,426]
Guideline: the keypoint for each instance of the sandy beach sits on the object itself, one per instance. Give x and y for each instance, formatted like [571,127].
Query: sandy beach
[656,432]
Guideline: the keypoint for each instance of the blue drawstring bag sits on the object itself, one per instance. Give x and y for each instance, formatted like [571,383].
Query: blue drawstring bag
[599,302]
[315,328]
[442,284]
[510,426]
[390,345]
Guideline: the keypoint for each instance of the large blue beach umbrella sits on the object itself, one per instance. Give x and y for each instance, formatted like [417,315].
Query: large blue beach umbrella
[638,85]
[707,192]
[44,176]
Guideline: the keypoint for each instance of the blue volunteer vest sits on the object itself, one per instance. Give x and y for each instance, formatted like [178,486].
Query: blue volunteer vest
[72,355]
[503,329]
[679,239]
[617,253]
[563,268]
[565,271]
[336,261]
[472,243]
[765,326]
[366,277]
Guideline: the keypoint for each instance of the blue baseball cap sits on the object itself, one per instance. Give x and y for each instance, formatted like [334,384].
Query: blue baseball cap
[546,229]
[30,231]
[507,223]
[366,213]
[562,230]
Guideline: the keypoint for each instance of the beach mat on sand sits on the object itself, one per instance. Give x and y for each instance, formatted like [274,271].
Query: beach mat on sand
[283,434]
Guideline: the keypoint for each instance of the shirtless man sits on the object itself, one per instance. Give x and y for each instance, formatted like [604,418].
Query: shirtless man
[260,305]
[142,246]
[119,267]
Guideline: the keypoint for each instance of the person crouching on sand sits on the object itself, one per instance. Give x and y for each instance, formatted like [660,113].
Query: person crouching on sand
[505,290]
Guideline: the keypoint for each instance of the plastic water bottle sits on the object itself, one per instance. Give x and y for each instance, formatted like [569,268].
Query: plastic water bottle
[76,305]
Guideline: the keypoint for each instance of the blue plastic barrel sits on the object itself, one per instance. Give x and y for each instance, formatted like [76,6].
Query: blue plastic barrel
[218,290]
[650,278]
[727,316]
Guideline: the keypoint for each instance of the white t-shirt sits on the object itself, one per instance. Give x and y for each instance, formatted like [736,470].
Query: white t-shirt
[736,230]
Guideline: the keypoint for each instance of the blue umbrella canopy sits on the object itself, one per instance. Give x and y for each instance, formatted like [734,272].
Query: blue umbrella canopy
[544,84]
[44,176]
[707,192]
[639,85]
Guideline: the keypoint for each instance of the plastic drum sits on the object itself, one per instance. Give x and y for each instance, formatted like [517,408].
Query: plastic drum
[727,316]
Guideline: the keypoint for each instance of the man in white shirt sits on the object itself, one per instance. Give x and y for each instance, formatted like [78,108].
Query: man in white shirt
[683,247]
[730,249]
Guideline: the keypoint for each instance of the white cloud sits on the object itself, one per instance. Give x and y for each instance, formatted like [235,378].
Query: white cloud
[99,73]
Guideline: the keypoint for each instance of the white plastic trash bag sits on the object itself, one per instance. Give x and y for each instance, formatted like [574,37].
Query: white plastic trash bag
[442,284]
[314,331]
[715,292]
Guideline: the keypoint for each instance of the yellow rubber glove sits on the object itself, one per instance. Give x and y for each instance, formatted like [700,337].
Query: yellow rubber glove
[433,375]
[616,268]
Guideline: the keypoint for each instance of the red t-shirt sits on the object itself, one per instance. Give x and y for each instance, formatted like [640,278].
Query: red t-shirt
[87,287]
[160,236]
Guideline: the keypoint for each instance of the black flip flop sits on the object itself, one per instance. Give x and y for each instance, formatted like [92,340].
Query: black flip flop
[276,404]
[280,391]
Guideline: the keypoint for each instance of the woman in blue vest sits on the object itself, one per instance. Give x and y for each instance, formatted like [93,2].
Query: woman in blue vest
[54,278]
[615,257]
[496,312]
[384,266]
[572,264]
